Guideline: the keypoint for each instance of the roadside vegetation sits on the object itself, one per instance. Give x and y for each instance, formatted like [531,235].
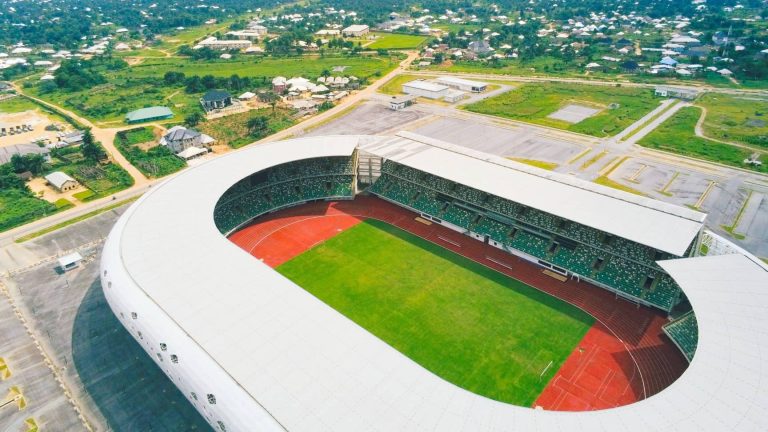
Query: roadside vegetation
[153,160]
[533,103]
[677,135]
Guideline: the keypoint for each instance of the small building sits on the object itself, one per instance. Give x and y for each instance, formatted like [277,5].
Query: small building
[179,139]
[668,61]
[70,261]
[356,30]
[215,99]
[676,92]
[401,102]
[61,181]
[257,28]
[247,96]
[148,114]
[279,84]
[425,89]
[191,153]
[70,139]
[216,44]
[453,95]
[247,34]
[462,84]
[480,47]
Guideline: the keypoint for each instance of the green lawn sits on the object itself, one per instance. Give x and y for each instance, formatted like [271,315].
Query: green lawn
[397,41]
[140,135]
[741,119]
[677,135]
[470,325]
[534,102]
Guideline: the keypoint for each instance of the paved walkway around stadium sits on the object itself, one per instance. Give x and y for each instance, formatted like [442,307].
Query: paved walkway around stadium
[623,358]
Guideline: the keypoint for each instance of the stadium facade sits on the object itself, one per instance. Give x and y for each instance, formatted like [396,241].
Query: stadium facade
[253,351]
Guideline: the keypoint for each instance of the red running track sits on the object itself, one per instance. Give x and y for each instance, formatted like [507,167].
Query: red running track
[623,358]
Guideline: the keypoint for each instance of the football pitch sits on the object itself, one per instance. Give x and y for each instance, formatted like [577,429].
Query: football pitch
[470,325]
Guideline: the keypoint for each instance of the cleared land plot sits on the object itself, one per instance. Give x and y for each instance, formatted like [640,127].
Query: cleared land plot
[742,119]
[677,135]
[573,113]
[397,41]
[470,325]
[534,103]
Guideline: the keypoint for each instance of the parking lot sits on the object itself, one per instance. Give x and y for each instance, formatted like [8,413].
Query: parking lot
[111,379]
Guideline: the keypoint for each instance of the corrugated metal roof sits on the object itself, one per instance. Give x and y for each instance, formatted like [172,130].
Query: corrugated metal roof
[149,113]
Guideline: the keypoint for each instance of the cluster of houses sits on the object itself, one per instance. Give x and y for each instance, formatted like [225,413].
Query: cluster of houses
[616,41]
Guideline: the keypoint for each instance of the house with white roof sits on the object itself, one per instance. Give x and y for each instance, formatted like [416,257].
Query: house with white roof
[61,181]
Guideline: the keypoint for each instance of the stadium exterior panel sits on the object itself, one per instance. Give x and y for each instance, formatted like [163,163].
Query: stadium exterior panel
[253,351]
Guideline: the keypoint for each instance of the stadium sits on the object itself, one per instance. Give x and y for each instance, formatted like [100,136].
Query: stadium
[355,283]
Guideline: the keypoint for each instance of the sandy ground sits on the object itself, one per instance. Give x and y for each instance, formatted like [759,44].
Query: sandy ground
[38,185]
[36,119]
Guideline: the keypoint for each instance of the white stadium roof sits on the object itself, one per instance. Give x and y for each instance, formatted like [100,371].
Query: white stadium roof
[663,226]
[311,368]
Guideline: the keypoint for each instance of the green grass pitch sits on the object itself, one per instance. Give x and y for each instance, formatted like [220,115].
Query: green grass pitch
[468,324]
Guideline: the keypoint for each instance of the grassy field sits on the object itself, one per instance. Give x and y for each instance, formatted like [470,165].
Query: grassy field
[741,119]
[534,102]
[17,104]
[232,130]
[142,85]
[470,325]
[397,41]
[677,135]
[395,85]
[268,68]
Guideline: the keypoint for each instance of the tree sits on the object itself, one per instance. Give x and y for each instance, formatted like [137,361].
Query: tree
[90,148]
[193,119]
[18,163]
[257,125]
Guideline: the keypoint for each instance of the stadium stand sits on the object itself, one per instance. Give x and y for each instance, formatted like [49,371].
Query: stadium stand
[619,264]
[684,332]
[284,185]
